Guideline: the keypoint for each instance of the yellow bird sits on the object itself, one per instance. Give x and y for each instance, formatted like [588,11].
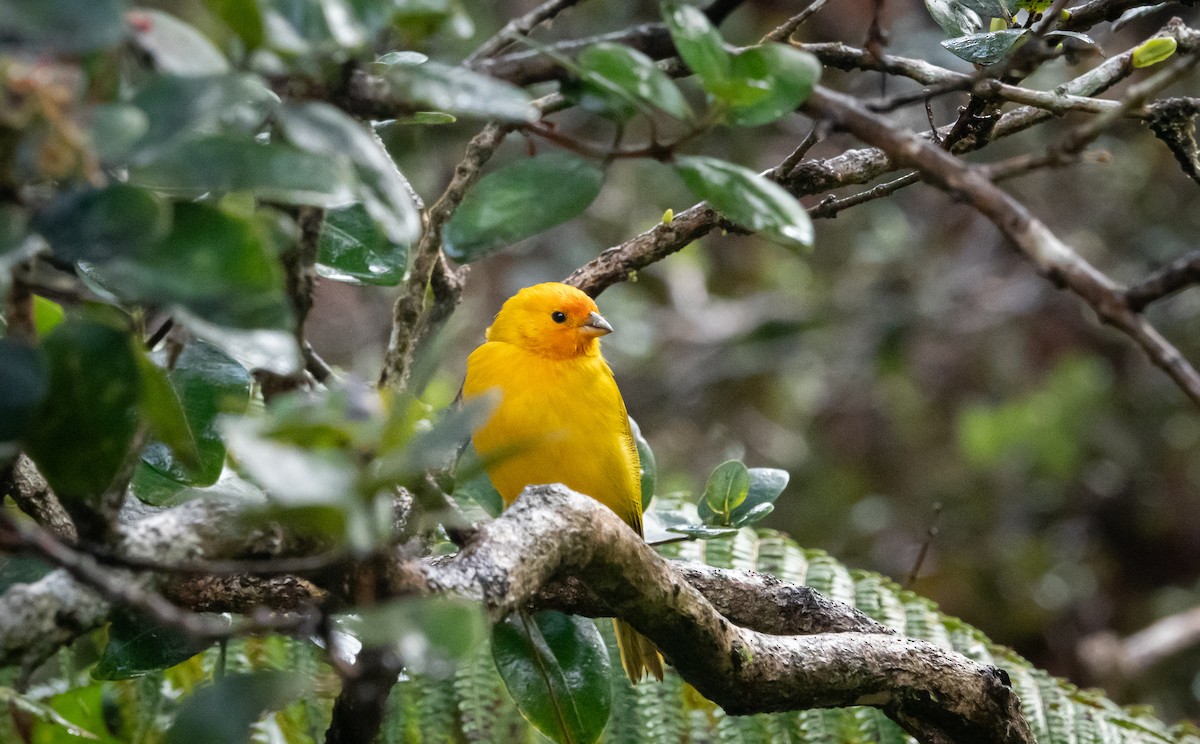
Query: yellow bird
[561,413]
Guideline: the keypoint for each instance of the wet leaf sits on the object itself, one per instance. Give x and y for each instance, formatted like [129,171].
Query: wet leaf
[138,646]
[727,488]
[353,249]
[417,80]
[177,48]
[784,78]
[615,71]
[987,48]
[223,712]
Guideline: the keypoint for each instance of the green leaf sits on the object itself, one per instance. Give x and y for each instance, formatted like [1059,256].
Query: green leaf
[648,467]
[81,434]
[67,26]
[556,668]
[114,129]
[784,76]
[353,249]
[1153,51]
[989,8]
[699,45]
[179,108]
[138,646]
[472,484]
[45,714]
[727,488]
[99,224]
[218,266]
[293,477]
[47,314]
[177,48]
[703,531]
[626,73]
[244,18]
[23,385]
[21,569]
[766,485]
[164,413]
[755,514]
[224,163]
[431,633]
[954,17]
[209,383]
[417,80]
[222,713]
[987,48]
[520,200]
[747,199]
[74,715]
[255,348]
[323,130]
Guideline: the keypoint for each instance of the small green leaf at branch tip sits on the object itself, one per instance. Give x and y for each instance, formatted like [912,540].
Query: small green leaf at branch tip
[1153,51]
[727,488]
[557,670]
[755,514]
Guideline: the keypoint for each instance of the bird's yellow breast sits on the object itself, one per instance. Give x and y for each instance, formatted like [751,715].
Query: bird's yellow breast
[557,421]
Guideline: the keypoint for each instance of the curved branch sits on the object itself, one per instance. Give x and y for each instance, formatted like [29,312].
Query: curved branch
[935,694]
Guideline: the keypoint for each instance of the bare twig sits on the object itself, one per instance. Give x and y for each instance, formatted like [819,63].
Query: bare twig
[1181,273]
[517,27]
[410,308]
[783,33]
[1053,258]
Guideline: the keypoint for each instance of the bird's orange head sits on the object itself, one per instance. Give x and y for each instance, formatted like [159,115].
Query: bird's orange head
[552,319]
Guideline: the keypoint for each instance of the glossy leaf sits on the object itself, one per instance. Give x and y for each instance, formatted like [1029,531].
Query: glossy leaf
[702,531]
[254,348]
[727,488]
[293,477]
[699,45]
[747,199]
[954,17]
[179,108]
[766,485]
[431,633]
[78,715]
[223,712]
[69,26]
[325,131]
[987,48]
[24,381]
[209,383]
[177,48]
[556,669]
[520,200]
[98,224]
[1002,9]
[138,646]
[218,266]
[221,164]
[755,514]
[785,77]
[47,314]
[649,470]
[164,413]
[417,80]
[82,432]
[353,249]
[628,72]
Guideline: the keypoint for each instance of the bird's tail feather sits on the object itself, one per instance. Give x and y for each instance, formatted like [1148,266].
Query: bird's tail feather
[638,654]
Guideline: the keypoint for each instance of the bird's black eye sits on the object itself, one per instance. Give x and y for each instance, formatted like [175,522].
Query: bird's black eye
[558,316]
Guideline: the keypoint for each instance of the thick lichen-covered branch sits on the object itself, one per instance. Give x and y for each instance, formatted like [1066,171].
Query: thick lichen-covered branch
[936,694]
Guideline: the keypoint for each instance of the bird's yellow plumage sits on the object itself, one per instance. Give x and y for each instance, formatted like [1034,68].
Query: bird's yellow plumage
[561,418]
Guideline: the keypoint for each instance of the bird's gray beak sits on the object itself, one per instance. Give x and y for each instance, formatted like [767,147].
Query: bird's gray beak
[595,325]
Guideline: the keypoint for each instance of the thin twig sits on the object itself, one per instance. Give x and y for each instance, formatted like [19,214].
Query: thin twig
[1181,273]
[783,33]
[518,27]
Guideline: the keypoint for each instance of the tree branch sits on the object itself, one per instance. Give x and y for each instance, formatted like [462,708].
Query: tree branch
[937,695]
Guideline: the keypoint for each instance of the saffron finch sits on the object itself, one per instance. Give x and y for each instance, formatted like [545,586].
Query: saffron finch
[561,418]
